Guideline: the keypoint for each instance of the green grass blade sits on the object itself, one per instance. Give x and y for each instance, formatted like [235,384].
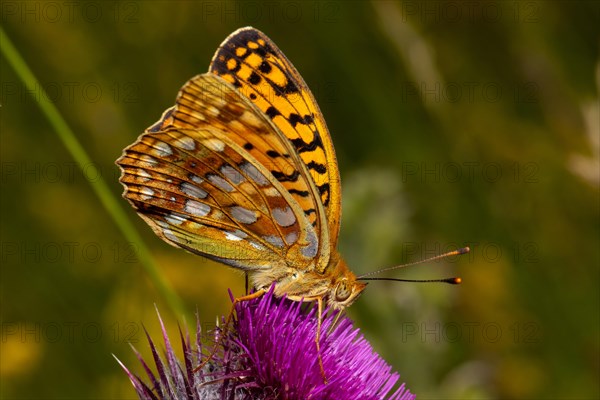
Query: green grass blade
[108,200]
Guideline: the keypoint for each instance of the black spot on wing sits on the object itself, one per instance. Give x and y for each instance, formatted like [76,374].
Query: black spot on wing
[240,40]
[265,67]
[276,154]
[315,166]
[272,112]
[283,177]
[301,193]
[261,51]
[218,65]
[295,119]
[302,146]
[290,87]
[324,188]
[254,78]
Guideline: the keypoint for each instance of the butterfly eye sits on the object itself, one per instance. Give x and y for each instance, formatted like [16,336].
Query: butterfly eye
[342,292]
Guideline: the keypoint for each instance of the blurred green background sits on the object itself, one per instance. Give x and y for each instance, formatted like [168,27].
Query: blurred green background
[455,124]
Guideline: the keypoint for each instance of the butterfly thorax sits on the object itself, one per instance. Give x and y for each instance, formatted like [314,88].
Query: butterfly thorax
[337,285]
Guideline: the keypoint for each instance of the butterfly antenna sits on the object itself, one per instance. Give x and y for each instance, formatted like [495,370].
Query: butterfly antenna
[453,281]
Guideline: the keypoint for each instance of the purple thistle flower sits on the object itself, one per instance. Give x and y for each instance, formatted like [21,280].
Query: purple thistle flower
[270,353]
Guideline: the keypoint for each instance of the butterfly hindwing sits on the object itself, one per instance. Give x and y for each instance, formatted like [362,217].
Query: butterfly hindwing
[210,99]
[199,188]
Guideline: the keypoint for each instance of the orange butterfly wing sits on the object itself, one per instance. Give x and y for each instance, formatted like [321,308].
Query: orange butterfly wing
[260,71]
[200,182]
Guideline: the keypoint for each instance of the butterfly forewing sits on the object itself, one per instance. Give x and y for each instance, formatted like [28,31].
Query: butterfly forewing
[254,64]
[200,190]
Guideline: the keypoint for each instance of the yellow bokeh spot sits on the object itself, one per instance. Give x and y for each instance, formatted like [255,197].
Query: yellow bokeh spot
[520,377]
[19,354]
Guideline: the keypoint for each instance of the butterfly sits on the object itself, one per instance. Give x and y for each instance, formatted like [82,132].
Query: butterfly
[242,170]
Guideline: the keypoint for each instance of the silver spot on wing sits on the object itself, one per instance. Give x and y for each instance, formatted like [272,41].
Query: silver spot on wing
[232,174]
[153,162]
[220,183]
[193,190]
[310,250]
[291,238]
[243,215]
[146,193]
[254,174]
[186,143]
[162,149]
[236,235]
[274,240]
[175,218]
[143,175]
[284,216]
[196,208]
[196,178]
[214,144]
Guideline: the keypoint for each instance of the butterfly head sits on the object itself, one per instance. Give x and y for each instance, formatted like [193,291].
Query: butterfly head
[345,289]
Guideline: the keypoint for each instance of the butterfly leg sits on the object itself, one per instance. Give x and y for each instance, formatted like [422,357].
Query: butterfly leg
[237,300]
[318,339]
[335,321]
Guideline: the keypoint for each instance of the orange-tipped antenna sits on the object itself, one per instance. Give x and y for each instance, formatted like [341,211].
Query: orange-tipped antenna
[454,281]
